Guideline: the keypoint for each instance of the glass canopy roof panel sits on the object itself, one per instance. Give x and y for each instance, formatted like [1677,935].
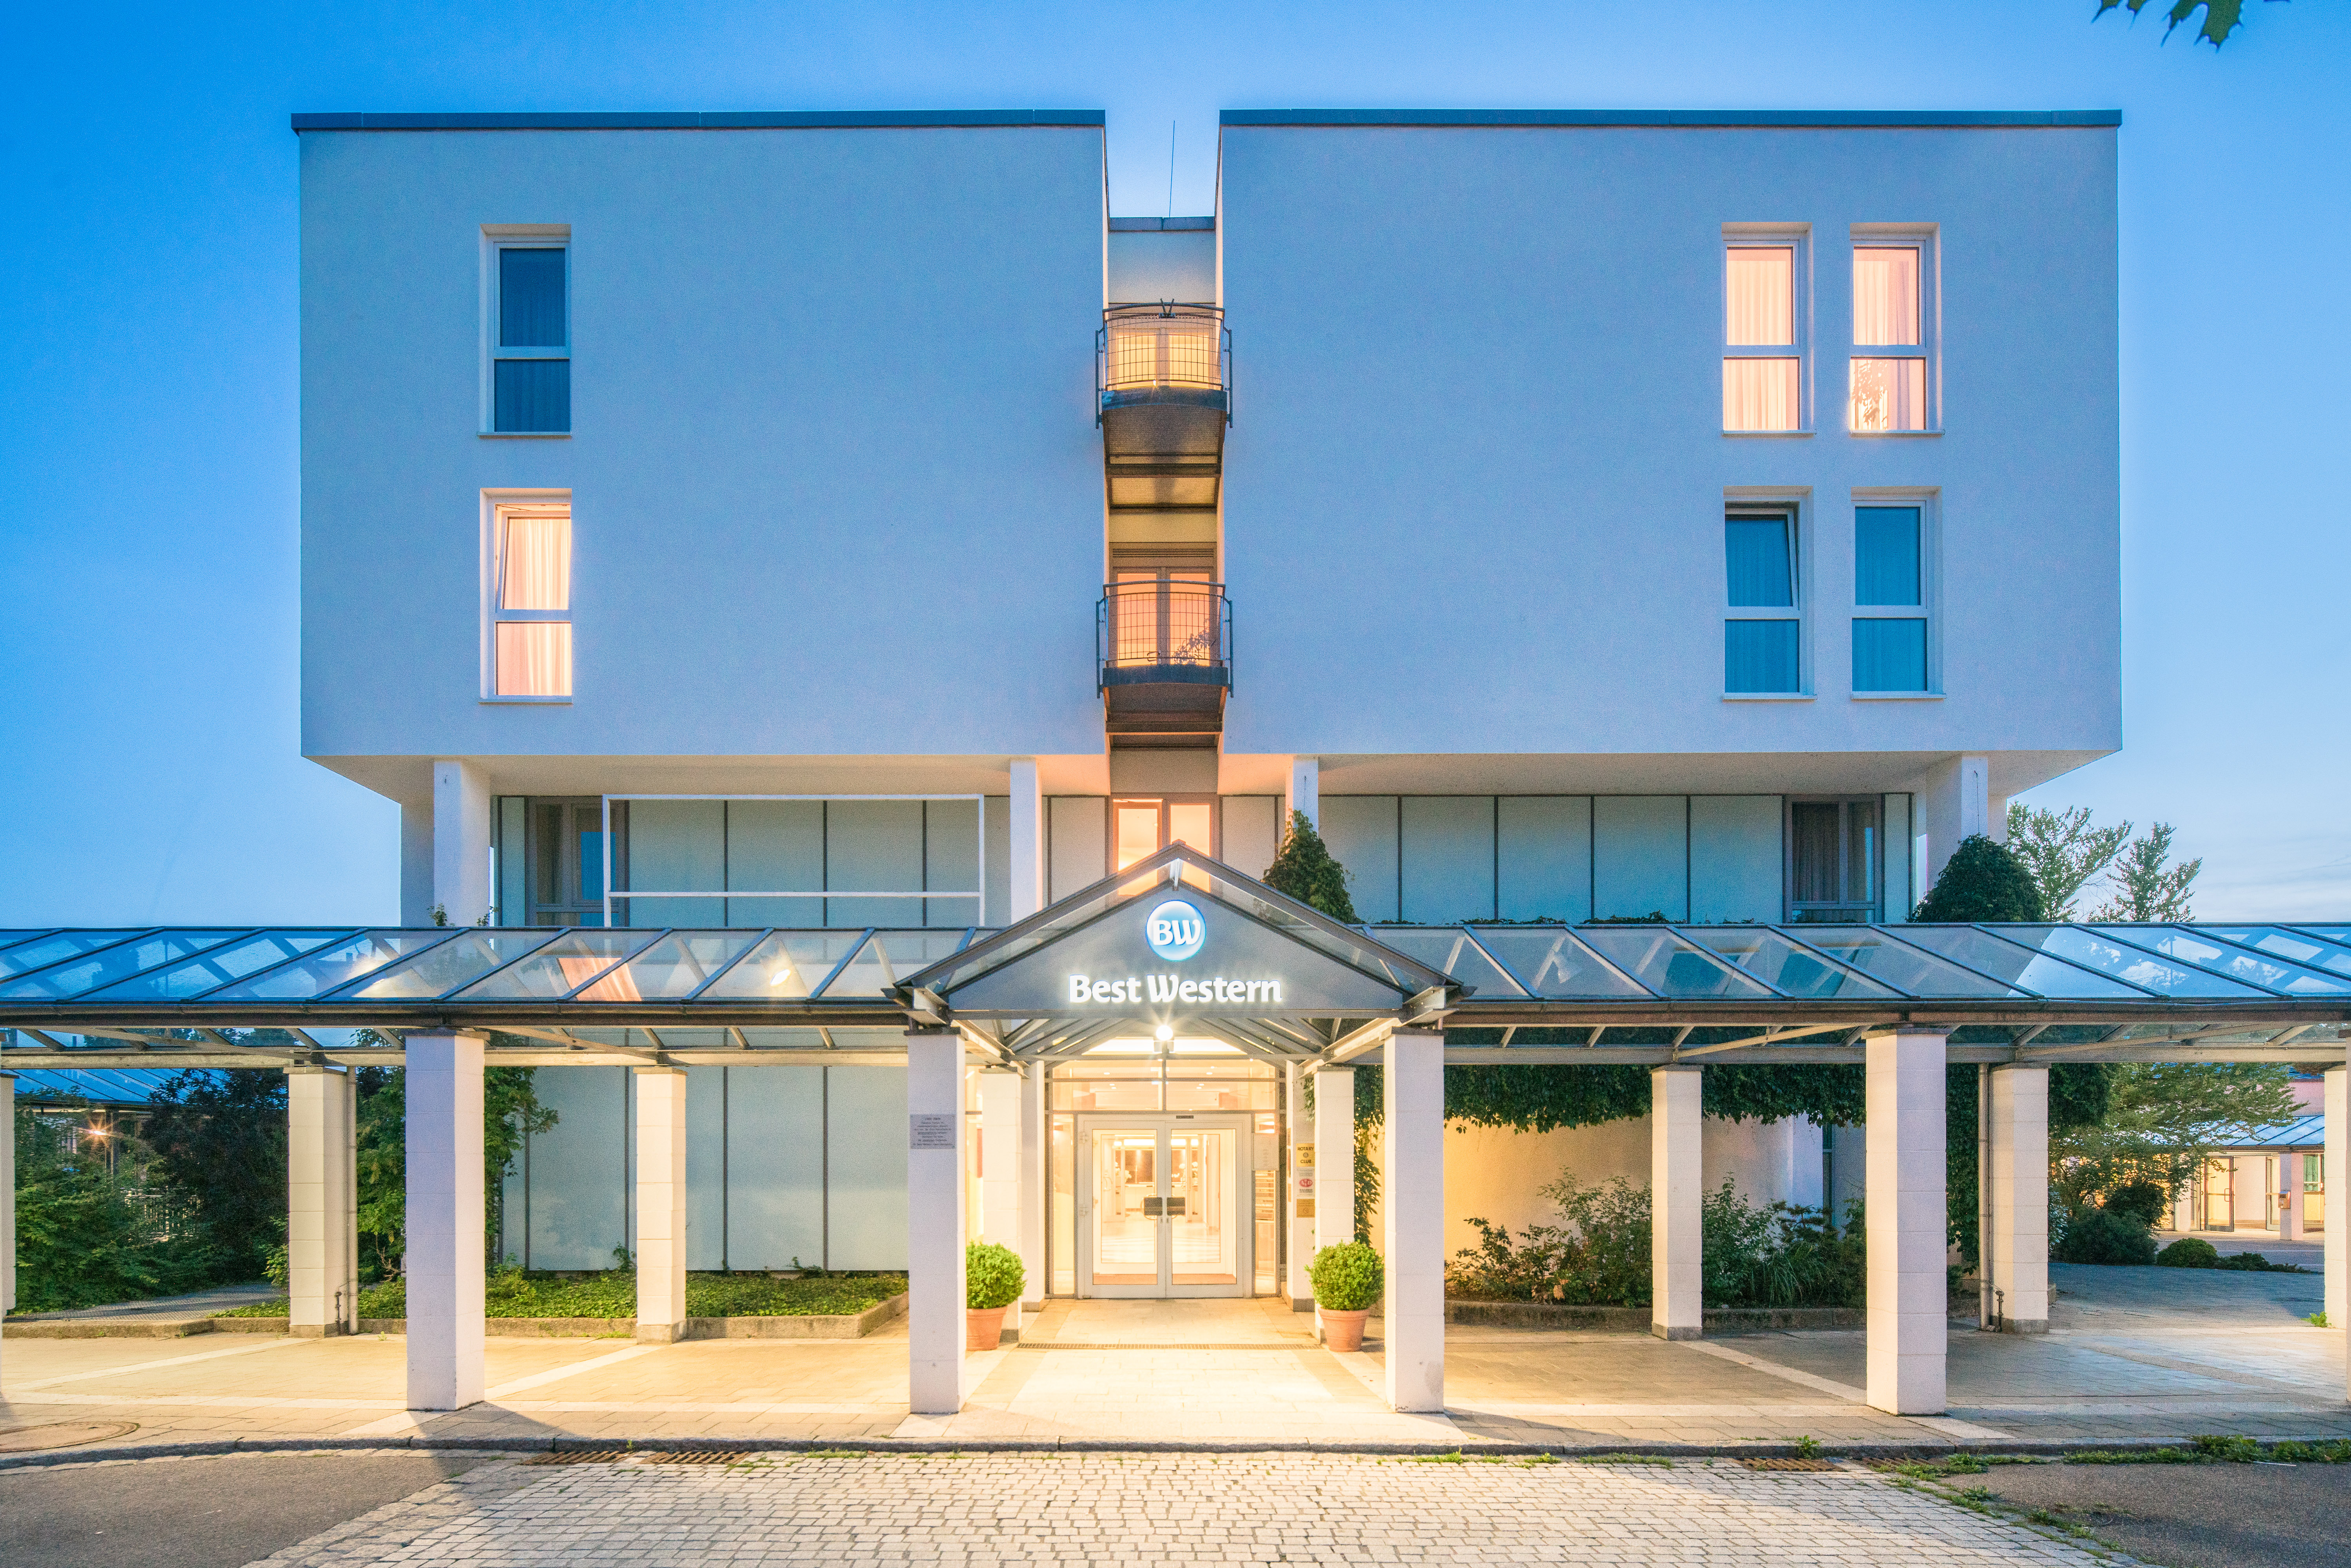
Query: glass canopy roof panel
[676,966]
[55,949]
[9,938]
[1549,961]
[890,956]
[560,967]
[221,966]
[1901,965]
[1667,964]
[452,965]
[2291,946]
[2024,968]
[111,964]
[337,964]
[1775,960]
[2252,969]
[787,966]
[1453,953]
[2135,965]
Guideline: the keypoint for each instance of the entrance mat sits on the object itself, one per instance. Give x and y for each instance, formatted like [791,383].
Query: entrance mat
[61,1435]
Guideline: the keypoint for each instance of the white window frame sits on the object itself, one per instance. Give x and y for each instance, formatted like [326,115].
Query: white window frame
[495,505]
[1923,238]
[1797,505]
[1774,236]
[497,237]
[1930,607]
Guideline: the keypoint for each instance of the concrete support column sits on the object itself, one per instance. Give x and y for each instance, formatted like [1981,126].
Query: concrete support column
[2018,1181]
[1412,1207]
[661,1204]
[461,842]
[1676,1193]
[999,1161]
[935,1222]
[1906,1223]
[2290,1196]
[2338,1201]
[1305,791]
[8,1194]
[1028,840]
[1334,1157]
[1956,804]
[416,863]
[1298,1208]
[444,1089]
[1034,1185]
[322,1263]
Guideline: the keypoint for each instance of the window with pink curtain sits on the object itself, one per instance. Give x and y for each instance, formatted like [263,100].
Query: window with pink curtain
[532,602]
[1760,391]
[1889,388]
[534,658]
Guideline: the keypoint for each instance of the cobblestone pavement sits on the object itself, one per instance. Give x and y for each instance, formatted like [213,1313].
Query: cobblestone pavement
[1008,1508]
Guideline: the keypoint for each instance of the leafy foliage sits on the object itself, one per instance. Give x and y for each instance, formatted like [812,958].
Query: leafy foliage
[992,1276]
[2165,1120]
[85,1236]
[510,1110]
[1306,870]
[2063,851]
[1982,880]
[2221,17]
[2079,1095]
[1781,1254]
[1346,1278]
[2144,887]
[2190,1252]
[2103,1236]
[512,1294]
[220,1137]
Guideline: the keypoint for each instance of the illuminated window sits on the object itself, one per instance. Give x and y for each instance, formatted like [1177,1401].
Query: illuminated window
[530,601]
[1141,828]
[1890,385]
[1763,362]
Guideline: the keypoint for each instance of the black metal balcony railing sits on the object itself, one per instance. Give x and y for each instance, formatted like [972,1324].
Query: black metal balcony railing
[1164,632]
[1163,353]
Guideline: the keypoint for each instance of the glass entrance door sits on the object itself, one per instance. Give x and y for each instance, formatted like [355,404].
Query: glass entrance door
[1159,1212]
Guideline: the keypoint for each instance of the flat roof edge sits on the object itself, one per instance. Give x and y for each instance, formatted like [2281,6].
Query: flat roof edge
[1797,118]
[749,120]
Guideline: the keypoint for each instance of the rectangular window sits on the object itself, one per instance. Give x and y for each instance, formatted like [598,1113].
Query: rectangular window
[530,601]
[530,357]
[1763,635]
[1833,853]
[1762,364]
[1889,646]
[1889,383]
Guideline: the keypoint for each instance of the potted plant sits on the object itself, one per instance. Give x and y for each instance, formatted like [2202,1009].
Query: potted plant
[1347,1281]
[992,1279]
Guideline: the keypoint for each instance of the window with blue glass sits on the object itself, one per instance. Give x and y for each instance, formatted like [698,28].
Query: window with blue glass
[1889,600]
[1762,636]
[531,367]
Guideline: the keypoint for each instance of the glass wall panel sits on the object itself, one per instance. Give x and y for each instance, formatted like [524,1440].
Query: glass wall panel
[775,846]
[865,1146]
[1360,830]
[707,1137]
[1252,832]
[951,859]
[1078,853]
[1000,861]
[1735,857]
[775,1166]
[676,846]
[1061,1178]
[579,1172]
[1640,855]
[1900,898]
[873,844]
[1445,858]
[514,863]
[1543,854]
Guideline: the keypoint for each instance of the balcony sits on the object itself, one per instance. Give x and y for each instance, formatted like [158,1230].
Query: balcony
[1163,654]
[1164,376]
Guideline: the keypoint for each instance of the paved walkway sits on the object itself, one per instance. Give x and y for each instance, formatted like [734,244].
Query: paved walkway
[1259,1509]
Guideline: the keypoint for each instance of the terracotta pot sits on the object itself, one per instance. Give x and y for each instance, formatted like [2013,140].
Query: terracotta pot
[983,1327]
[1343,1331]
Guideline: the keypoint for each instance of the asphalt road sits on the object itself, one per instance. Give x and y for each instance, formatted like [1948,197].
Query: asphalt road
[202,1512]
[2195,1516]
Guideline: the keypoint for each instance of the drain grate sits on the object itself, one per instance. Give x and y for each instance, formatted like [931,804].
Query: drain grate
[1789,1464]
[642,1456]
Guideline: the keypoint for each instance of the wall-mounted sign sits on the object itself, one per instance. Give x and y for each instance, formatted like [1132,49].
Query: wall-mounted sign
[930,1132]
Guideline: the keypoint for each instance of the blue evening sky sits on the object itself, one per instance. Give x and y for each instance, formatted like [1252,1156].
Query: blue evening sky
[148,443]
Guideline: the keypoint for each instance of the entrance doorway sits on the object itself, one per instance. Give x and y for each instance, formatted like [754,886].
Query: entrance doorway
[1163,1205]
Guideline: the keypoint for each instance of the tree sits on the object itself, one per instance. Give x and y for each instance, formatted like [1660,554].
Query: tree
[2221,17]
[2164,1121]
[2063,851]
[2144,887]
[510,1110]
[1307,873]
[220,1137]
[86,1235]
[1982,880]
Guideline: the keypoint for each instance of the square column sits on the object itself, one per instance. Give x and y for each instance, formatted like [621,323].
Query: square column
[1297,1210]
[461,842]
[1334,1157]
[2290,1196]
[935,1222]
[2336,1200]
[1906,1223]
[1412,1206]
[999,1162]
[661,1204]
[1676,1196]
[2018,1182]
[322,1263]
[1028,836]
[1033,1187]
[1305,792]
[8,1194]
[444,1272]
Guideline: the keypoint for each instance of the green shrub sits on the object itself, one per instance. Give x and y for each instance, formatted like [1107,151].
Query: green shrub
[1982,880]
[1600,1256]
[992,1276]
[1778,1255]
[2142,1200]
[2254,1263]
[2190,1252]
[2104,1235]
[1346,1278]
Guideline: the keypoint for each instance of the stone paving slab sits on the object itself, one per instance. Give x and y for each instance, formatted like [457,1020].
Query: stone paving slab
[1142,1509]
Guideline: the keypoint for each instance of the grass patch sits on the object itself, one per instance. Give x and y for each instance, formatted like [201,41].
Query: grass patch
[1656,1459]
[613,1294]
[2210,1449]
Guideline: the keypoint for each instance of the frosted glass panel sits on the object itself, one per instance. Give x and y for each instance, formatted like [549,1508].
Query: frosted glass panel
[579,1170]
[951,859]
[865,1140]
[1079,854]
[775,1166]
[1000,861]
[676,846]
[1734,857]
[873,844]
[1640,855]
[1252,832]
[1447,871]
[775,846]
[706,1167]
[1360,830]
[1544,855]
[1900,895]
